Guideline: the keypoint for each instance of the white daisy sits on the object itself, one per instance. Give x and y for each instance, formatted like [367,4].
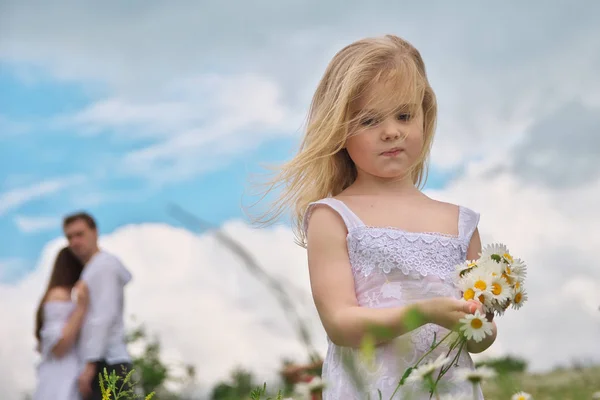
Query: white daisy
[464,268]
[519,297]
[421,373]
[482,284]
[316,384]
[301,391]
[476,326]
[304,390]
[491,267]
[475,286]
[596,396]
[495,251]
[465,284]
[474,375]
[500,308]
[519,269]
[500,290]
[509,277]
[521,396]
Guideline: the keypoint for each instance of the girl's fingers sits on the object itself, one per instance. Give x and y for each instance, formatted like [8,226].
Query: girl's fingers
[474,306]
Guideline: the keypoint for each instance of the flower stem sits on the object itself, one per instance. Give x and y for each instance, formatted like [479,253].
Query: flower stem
[433,348]
[443,370]
[421,359]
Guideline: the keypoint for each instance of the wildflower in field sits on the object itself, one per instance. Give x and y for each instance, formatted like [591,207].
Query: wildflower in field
[306,389]
[476,326]
[316,384]
[425,371]
[474,375]
[521,396]
[596,396]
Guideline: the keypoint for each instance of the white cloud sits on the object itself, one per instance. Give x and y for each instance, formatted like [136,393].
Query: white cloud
[584,291]
[205,307]
[29,224]
[194,124]
[492,80]
[231,115]
[15,198]
[556,233]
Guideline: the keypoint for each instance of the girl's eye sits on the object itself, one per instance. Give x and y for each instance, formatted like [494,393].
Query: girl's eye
[404,117]
[368,121]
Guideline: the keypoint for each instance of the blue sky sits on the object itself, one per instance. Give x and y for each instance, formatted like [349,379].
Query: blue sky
[76,168]
[74,162]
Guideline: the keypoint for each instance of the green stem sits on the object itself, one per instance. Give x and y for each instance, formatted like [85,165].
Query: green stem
[433,348]
[452,347]
[433,388]
[421,359]
[447,368]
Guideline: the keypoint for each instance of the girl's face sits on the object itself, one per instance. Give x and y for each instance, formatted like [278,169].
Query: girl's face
[386,138]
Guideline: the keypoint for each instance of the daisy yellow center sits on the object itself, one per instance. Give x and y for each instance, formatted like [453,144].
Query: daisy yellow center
[517,285]
[518,297]
[471,265]
[508,271]
[507,279]
[476,323]
[496,289]
[481,285]
[481,298]
[508,257]
[521,398]
[469,294]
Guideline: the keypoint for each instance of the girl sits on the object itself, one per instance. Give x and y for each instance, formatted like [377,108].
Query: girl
[58,321]
[378,247]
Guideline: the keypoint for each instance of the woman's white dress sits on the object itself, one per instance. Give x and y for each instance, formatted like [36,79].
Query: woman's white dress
[56,377]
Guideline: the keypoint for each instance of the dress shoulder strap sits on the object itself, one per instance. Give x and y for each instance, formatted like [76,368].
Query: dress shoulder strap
[467,223]
[351,220]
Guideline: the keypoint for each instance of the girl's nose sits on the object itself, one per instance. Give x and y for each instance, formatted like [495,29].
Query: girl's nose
[390,131]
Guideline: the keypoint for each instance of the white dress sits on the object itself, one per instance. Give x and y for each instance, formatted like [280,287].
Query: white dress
[56,377]
[391,268]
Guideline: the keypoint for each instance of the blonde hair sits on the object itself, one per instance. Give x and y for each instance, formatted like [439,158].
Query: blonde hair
[322,167]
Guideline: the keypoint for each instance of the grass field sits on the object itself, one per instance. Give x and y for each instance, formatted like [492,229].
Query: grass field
[568,384]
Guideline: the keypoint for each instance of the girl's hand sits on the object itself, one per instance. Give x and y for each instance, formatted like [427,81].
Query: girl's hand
[447,311]
[475,305]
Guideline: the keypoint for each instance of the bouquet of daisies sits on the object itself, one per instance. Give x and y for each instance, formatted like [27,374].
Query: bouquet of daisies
[496,280]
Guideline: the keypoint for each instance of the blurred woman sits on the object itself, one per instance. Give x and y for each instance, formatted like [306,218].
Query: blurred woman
[58,321]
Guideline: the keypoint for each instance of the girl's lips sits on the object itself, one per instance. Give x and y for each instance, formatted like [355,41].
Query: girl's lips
[392,152]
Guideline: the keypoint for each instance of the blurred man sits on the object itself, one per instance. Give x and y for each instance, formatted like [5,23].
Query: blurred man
[102,339]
